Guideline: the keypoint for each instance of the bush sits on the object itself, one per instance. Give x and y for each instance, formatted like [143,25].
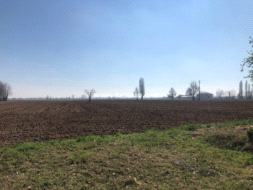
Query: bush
[250,135]
[227,140]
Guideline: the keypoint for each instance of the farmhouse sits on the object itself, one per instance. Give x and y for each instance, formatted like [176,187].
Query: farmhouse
[205,96]
[184,97]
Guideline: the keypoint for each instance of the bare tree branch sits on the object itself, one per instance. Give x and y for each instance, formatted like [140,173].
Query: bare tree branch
[219,93]
[192,90]
[248,62]
[172,93]
[5,91]
[90,93]
[136,93]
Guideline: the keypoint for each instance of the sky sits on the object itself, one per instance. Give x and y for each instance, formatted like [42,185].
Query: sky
[60,48]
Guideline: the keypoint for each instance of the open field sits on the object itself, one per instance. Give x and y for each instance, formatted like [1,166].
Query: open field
[23,121]
[210,156]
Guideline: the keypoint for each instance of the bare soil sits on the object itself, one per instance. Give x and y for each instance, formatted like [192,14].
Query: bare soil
[23,121]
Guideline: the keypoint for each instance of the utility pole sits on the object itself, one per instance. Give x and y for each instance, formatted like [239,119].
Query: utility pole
[199,89]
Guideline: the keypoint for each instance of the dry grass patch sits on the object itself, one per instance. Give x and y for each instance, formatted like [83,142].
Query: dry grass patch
[234,137]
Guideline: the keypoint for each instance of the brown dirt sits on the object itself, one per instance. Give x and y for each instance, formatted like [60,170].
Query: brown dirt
[23,121]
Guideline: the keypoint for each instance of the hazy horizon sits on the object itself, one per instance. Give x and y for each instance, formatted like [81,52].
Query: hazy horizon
[61,48]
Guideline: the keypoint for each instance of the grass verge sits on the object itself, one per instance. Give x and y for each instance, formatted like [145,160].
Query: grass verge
[172,159]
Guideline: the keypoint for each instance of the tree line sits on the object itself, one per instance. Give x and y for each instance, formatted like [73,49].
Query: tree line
[194,87]
[245,92]
[5,88]
[191,91]
[248,92]
[140,90]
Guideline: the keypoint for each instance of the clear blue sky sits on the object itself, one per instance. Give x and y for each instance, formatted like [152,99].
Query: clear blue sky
[60,48]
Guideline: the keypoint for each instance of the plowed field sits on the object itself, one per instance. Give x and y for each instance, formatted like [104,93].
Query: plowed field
[22,121]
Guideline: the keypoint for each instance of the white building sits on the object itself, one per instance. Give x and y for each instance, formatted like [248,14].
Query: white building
[184,97]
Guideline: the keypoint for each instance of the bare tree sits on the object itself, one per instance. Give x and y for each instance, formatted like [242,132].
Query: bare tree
[188,92]
[231,94]
[136,93]
[240,94]
[5,91]
[90,93]
[194,88]
[219,93]
[2,90]
[141,87]
[172,93]
[227,94]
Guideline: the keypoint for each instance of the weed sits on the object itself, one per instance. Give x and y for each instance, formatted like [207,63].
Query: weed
[118,135]
[129,182]
[249,160]
[46,184]
[81,139]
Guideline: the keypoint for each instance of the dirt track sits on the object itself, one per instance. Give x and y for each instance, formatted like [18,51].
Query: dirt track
[44,120]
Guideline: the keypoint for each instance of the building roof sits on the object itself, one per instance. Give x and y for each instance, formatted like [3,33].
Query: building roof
[201,93]
[184,95]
